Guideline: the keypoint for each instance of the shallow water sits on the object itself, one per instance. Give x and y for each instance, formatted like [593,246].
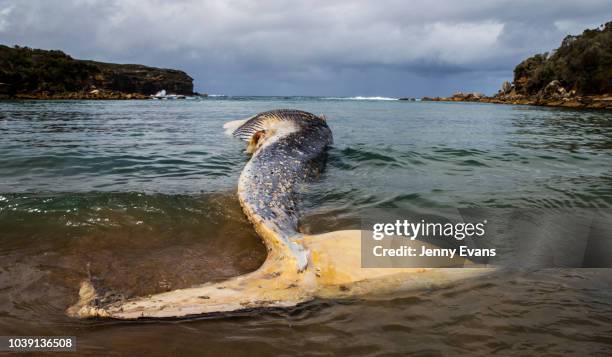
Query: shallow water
[142,195]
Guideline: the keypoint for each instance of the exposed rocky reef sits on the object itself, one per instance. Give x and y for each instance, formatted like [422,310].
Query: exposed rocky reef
[41,74]
[576,75]
[555,100]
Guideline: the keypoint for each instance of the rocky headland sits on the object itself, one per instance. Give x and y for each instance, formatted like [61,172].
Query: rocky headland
[576,75]
[27,73]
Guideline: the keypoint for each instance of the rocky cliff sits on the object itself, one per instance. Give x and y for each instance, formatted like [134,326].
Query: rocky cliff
[33,73]
[578,74]
[582,64]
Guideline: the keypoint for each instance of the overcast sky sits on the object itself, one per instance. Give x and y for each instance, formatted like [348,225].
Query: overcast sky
[332,47]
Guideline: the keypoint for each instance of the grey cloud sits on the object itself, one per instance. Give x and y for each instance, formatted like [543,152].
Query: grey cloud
[307,47]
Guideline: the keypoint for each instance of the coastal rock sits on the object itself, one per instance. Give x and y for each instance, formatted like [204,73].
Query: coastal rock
[132,78]
[506,87]
[461,97]
[554,89]
[5,91]
[34,73]
[101,95]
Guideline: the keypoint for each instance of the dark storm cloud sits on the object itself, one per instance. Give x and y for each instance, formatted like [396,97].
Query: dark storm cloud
[308,47]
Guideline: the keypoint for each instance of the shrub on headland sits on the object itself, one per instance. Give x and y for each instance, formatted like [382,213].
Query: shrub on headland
[30,70]
[48,74]
[582,63]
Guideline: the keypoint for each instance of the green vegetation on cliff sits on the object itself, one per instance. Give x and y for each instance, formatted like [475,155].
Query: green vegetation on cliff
[32,71]
[582,63]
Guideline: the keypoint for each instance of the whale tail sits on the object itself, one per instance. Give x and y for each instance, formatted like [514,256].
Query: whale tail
[272,285]
[334,271]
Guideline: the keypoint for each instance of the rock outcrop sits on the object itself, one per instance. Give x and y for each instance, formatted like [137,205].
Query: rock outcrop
[577,75]
[506,88]
[33,73]
[582,63]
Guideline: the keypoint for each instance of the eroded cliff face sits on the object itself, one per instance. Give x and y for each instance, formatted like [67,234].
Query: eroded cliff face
[34,73]
[132,78]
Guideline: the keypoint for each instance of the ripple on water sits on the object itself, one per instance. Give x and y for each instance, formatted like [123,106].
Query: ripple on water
[116,186]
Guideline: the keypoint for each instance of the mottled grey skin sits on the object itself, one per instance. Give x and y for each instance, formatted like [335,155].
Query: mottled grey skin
[270,181]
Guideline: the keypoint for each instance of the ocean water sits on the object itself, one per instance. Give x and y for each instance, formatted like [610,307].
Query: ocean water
[143,195]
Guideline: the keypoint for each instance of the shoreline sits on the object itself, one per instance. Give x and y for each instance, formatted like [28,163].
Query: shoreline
[94,95]
[28,73]
[583,102]
[579,102]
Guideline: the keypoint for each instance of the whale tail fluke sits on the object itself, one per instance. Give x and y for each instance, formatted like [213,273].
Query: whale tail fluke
[336,258]
[334,272]
[275,284]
